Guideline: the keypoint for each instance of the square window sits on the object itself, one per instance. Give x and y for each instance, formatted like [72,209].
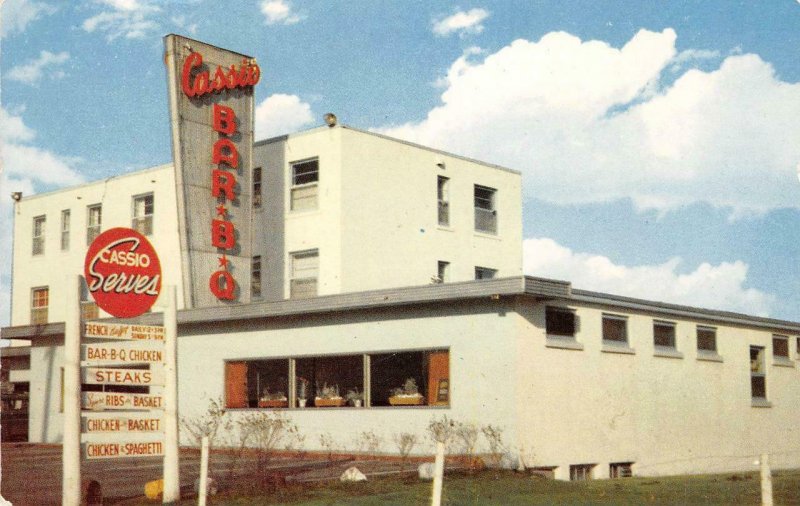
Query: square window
[581,472]
[664,334]
[410,378]
[620,470]
[560,322]
[615,329]
[707,339]
[780,347]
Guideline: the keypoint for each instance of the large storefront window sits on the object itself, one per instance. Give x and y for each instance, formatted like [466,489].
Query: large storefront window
[409,378]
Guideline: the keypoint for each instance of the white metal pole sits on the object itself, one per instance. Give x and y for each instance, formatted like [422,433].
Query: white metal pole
[766,481]
[438,474]
[71,440]
[172,486]
[203,486]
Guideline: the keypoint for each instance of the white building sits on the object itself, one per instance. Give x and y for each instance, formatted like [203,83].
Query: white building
[352,235]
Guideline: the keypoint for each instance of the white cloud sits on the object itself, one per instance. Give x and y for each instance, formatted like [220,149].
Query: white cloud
[33,71]
[17,14]
[712,286]
[461,22]
[280,114]
[280,12]
[127,18]
[587,122]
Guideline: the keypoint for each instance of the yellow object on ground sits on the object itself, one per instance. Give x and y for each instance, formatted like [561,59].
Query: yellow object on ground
[154,489]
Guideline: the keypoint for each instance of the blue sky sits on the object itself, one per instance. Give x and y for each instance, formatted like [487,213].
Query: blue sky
[657,140]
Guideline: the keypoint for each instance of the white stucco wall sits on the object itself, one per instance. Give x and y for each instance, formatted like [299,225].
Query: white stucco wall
[668,415]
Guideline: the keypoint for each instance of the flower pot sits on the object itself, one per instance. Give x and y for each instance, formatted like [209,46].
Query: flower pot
[357,403]
[273,403]
[406,400]
[301,403]
[335,402]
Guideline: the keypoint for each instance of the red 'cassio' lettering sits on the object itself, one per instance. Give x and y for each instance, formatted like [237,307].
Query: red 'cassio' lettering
[244,76]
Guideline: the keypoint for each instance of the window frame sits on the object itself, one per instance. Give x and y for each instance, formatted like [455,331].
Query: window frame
[40,312]
[257,182]
[38,235]
[487,212]
[296,188]
[442,271]
[484,270]
[784,359]
[66,216]
[256,289]
[443,200]
[145,223]
[292,274]
[758,376]
[93,229]
[581,472]
[563,310]
[707,353]
[618,343]
[673,337]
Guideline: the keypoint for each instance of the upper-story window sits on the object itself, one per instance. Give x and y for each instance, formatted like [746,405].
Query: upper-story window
[255,277]
[664,334]
[780,347]
[305,271]
[40,300]
[65,218]
[94,221]
[38,235]
[305,179]
[442,272]
[615,329]
[257,187]
[443,197]
[560,322]
[485,209]
[758,376]
[143,214]
[485,273]
[707,339]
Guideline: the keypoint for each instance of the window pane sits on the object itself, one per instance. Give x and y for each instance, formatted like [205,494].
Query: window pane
[65,217]
[255,277]
[396,376]
[706,339]
[443,201]
[758,387]
[664,334]
[780,346]
[305,172]
[484,273]
[614,329]
[38,235]
[257,187]
[331,378]
[559,322]
[304,198]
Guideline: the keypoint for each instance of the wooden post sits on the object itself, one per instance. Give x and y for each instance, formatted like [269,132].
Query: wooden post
[203,485]
[438,474]
[71,439]
[766,481]
[172,485]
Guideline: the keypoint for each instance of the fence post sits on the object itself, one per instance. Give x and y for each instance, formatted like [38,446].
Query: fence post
[203,485]
[766,481]
[71,440]
[438,474]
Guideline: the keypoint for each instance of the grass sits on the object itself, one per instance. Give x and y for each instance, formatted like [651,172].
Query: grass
[508,488]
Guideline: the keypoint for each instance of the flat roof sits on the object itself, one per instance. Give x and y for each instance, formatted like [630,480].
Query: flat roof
[524,286]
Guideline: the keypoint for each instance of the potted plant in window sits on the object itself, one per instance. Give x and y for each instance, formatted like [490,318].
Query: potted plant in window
[355,398]
[328,397]
[302,391]
[407,395]
[274,400]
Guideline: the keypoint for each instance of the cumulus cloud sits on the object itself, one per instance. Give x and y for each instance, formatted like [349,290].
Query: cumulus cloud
[588,122]
[131,19]
[18,14]
[714,286]
[280,114]
[462,23]
[24,168]
[280,12]
[33,71]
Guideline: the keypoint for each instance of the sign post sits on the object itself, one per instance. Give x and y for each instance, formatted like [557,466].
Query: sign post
[71,443]
[172,492]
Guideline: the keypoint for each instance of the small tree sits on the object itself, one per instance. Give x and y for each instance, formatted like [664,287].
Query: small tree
[405,442]
[494,438]
[208,424]
[264,432]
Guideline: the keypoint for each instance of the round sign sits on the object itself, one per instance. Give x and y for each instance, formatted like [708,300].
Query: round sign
[122,272]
